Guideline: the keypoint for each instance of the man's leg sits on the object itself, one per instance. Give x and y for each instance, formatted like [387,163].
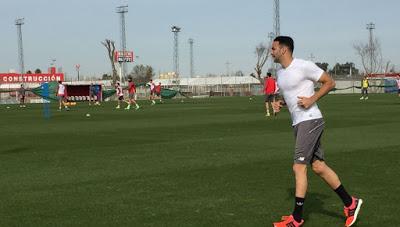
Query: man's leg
[64,102]
[118,105]
[352,205]
[300,173]
[134,102]
[273,101]
[295,219]
[129,103]
[326,173]
[266,108]
[301,159]
[152,99]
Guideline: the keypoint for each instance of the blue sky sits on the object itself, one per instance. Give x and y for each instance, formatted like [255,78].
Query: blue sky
[223,30]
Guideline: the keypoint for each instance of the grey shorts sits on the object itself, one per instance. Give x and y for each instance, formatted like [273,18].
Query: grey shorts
[269,98]
[308,141]
[131,95]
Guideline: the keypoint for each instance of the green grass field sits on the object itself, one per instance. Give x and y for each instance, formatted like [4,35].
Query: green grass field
[203,162]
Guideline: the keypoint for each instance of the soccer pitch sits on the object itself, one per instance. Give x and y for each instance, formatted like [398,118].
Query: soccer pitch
[201,162]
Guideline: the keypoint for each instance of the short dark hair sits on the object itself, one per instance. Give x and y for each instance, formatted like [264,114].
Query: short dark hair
[285,41]
[269,74]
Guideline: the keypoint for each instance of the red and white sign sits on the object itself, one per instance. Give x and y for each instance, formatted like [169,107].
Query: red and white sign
[123,56]
[8,78]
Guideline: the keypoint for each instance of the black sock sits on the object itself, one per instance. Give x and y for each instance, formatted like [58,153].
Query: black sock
[342,193]
[298,209]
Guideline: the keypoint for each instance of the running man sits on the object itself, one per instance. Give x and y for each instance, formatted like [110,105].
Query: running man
[152,91]
[364,88]
[120,95]
[269,90]
[92,94]
[21,95]
[296,82]
[62,96]
[132,94]
[157,91]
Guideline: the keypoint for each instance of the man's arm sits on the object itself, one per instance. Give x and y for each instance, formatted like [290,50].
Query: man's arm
[278,104]
[327,84]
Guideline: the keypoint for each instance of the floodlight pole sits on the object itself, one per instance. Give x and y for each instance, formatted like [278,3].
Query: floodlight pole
[371,27]
[176,30]
[276,19]
[19,22]
[122,10]
[191,41]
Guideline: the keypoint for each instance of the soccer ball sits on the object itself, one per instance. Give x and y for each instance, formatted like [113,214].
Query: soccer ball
[87,115]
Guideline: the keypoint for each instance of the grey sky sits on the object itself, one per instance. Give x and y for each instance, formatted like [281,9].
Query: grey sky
[223,30]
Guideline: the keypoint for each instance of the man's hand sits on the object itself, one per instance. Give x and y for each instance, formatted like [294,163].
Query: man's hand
[305,102]
[277,105]
[327,84]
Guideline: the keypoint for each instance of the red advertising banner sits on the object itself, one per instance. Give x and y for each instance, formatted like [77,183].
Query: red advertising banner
[9,78]
[124,56]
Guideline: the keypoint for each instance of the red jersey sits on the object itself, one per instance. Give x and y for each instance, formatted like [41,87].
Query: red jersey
[131,87]
[158,88]
[269,86]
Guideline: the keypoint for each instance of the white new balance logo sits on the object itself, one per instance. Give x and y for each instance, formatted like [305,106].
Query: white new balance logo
[301,159]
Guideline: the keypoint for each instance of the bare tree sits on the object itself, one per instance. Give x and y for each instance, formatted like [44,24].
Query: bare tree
[389,67]
[392,69]
[262,53]
[371,56]
[142,73]
[110,45]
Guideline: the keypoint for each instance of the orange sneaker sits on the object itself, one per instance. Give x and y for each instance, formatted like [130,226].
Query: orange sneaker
[352,211]
[288,221]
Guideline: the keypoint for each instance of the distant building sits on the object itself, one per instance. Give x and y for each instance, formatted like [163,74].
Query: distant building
[168,75]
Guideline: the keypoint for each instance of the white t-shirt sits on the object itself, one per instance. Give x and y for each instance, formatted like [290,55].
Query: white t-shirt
[119,91]
[61,89]
[298,79]
[152,86]
[276,88]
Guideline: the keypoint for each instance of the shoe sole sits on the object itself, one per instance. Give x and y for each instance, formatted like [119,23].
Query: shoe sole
[284,218]
[360,202]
